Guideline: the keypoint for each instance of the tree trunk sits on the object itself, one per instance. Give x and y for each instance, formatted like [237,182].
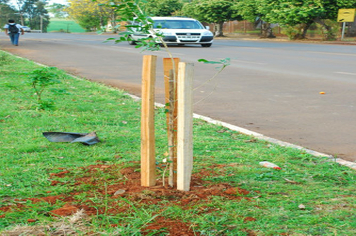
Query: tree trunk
[113,26]
[266,30]
[305,29]
[113,22]
[303,32]
[327,34]
[219,29]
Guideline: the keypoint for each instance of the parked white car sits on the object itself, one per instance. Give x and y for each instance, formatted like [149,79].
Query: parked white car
[26,28]
[177,30]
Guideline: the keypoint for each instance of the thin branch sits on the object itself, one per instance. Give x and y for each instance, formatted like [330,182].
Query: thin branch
[215,75]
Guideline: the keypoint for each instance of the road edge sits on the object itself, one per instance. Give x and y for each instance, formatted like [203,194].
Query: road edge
[259,136]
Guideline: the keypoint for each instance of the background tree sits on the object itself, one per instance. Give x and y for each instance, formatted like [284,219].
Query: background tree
[89,22]
[295,14]
[162,7]
[292,13]
[329,17]
[7,12]
[58,10]
[249,10]
[88,12]
[211,11]
[36,14]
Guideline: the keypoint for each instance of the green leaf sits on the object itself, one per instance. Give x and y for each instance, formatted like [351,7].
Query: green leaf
[202,60]
[209,62]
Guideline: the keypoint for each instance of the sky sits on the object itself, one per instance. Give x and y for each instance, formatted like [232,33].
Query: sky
[13,2]
[58,1]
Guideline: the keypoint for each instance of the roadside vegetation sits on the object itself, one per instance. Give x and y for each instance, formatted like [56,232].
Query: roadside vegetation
[63,25]
[295,18]
[51,188]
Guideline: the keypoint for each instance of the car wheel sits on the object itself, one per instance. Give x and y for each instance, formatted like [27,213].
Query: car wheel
[131,41]
[206,45]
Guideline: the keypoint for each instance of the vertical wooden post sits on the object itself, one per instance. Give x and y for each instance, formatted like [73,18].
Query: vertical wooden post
[185,126]
[148,160]
[167,67]
[171,132]
[170,81]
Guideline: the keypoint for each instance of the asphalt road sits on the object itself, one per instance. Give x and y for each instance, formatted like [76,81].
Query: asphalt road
[272,88]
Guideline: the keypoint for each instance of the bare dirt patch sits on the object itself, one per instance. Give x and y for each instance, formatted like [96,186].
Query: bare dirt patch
[115,183]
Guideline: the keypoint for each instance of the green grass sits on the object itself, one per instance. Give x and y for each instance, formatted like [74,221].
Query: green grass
[327,190]
[64,25]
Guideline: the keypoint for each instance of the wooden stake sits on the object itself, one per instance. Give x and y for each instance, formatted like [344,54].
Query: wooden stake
[172,135]
[148,160]
[170,82]
[185,126]
[168,65]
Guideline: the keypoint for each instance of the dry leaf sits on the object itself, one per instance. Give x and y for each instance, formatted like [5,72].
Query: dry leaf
[290,181]
[119,192]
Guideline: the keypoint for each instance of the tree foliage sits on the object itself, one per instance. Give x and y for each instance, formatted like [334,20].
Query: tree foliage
[89,21]
[294,13]
[162,7]
[88,13]
[211,11]
[31,13]
[36,14]
[132,11]
[247,9]
[57,10]
[7,12]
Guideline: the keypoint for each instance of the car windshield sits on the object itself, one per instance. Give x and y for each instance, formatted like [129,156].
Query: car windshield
[177,24]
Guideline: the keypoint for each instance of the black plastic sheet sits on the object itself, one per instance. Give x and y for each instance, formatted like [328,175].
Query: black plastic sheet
[84,138]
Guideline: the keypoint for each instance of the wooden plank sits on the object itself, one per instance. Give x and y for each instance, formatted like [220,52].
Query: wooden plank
[170,82]
[185,126]
[168,65]
[172,136]
[148,160]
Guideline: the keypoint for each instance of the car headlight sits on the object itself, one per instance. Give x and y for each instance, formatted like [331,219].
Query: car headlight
[207,33]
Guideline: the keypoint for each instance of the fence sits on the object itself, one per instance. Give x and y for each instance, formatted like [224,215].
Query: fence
[248,28]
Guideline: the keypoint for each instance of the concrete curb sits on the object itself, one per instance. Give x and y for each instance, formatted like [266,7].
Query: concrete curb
[285,39]
[259,136]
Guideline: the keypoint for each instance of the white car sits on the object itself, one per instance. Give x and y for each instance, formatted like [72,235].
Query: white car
[26,28]
[177,30]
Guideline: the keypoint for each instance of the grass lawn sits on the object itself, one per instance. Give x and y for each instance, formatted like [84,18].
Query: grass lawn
[50,188]
[64,25]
